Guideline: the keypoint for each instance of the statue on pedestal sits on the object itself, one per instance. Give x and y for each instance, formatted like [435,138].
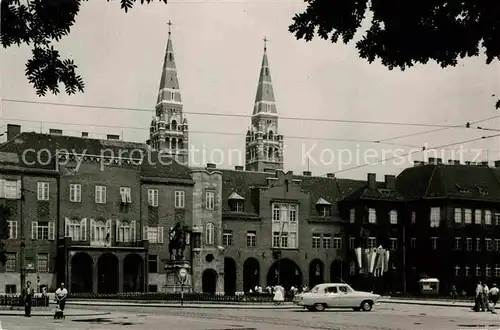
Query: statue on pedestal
[177,242]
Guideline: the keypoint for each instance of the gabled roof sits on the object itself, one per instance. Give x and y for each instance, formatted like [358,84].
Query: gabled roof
[321,201]
[450,181]
[381,192]
[235,196]
[13,153]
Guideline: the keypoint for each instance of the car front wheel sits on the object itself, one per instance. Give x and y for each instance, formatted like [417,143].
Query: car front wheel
[319,307]
[366,305]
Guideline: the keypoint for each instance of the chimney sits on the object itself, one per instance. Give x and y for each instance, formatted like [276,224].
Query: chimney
[456,162]
[113,137]
[306,173]
[418,163]
[497,163]
[238,168]
[211,165]
[85,134]
[330,175]
[372,180]
[432,160]
[468,162]
[13,130]
[390,182]
[439,161]
[485,163]
[54,131]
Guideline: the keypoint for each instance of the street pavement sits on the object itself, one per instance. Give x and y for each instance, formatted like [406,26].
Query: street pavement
[383,317]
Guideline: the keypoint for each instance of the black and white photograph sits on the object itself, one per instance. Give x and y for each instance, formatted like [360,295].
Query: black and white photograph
[249,164]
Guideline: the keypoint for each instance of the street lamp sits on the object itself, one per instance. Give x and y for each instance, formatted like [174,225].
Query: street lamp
[182,280]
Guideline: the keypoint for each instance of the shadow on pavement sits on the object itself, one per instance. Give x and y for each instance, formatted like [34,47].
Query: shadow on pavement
[101,320]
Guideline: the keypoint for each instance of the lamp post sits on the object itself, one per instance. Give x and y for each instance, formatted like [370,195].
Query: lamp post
[182,280]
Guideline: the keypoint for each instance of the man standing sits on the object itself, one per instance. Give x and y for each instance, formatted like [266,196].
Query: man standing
[486,297]
[61,294]
[479,298]
[494,297]
[28,299]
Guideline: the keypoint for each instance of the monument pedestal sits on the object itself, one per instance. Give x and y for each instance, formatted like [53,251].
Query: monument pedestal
[173,280]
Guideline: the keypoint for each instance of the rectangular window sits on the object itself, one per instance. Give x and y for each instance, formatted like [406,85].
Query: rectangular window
[100,194]
[42,230]
[12,189]
[276,212]
[316,241]
[487,217]
[327,241]
[126,195]
[210,200]
[468,244]
[152,263]
[227,237]
[42,262]
[11,262]
[497,244]
[236,206]
[413,242]
[497,270]
[337,243]
[413,217]
[468,216]
[12,229]
[434,243]
[393,216]
[478,217]
[276,239]
[394,244]
[458,243]
[75,193]
[154,235]
[352,243]
[43,191]
[284,240]
[478,244]
[478,271]
[458,215]
[372,216]
[372,242]
[153,197]
[352,216]
[293,213]
[457,270]
[487,271]
[251,238]
[488,244]
[435,216]
[497,219]
[292,240]
[467,271]
[180,199]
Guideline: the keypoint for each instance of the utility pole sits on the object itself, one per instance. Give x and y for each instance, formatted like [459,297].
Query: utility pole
[23,242]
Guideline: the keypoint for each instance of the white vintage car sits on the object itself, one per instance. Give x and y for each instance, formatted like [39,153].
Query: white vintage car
[336,295]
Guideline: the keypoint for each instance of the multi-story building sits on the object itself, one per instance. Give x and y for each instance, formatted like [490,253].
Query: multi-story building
[94,214]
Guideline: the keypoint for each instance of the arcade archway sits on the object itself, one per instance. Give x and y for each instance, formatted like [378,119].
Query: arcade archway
[284,272]
[229,276]
[107,272]
[133,273]
[336,270]
[209,281]
[316,272]
[251,274]
[81,273]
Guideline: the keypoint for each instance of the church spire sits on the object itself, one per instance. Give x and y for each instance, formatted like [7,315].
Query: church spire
[264,98]
[263,144]
[169,127]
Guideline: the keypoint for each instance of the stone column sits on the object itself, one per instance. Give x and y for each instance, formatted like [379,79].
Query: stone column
[120,273]
[95,274]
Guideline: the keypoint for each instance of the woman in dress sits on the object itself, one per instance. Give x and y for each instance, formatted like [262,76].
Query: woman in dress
[279,296]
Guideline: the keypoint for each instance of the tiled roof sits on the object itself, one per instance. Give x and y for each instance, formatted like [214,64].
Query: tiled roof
[450,181]
[379,193]
[51,144]
[246,184]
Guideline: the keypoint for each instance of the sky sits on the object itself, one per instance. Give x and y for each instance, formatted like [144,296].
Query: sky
[218,46]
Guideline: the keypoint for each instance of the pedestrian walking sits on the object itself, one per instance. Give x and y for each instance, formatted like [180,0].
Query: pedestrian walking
[279,295]
[453,293]
[61,294]
[486,297]
[479,306]
[493,294]
[28,299]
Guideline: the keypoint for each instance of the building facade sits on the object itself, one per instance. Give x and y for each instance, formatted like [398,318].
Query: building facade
[96,218]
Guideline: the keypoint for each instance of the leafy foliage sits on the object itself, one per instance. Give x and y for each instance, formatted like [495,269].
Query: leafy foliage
[403,33]
[4,231]
[38,24]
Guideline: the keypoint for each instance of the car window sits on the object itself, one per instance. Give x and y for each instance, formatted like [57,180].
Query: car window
[343,289]
[331,289]
[315,289]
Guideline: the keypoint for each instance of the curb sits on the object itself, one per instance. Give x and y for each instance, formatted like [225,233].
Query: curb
[428,303]
[52,314]
[178,305]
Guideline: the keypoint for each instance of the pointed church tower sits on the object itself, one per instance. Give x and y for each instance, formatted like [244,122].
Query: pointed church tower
[169,127]
[263,145]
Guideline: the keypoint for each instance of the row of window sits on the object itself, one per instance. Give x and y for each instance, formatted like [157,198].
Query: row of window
[465,216]
[42,262]
[227,238]
[371,243]
[100,231]
[467,271]
[328,242]
[372,216]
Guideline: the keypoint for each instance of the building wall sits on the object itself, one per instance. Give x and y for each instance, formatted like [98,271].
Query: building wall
[207,258]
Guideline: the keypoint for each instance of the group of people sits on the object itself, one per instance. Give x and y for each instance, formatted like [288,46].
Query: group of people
[484,296]
[29,293]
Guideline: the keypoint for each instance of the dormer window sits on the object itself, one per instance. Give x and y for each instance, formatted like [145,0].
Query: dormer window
[236,202]
[461,189]
[384,192]
[482,191]
[324,208]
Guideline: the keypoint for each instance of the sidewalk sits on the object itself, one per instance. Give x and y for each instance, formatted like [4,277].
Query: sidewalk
[172,304]
[425,302]
[50,313]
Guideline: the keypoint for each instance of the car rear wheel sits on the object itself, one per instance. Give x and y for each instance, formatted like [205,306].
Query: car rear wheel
[310,308]
[366,305]
[319,307]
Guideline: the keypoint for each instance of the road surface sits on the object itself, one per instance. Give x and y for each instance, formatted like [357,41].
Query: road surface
[386,316]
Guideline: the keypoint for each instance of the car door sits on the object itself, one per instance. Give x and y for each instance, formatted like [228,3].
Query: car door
[332,296]
[346,299]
